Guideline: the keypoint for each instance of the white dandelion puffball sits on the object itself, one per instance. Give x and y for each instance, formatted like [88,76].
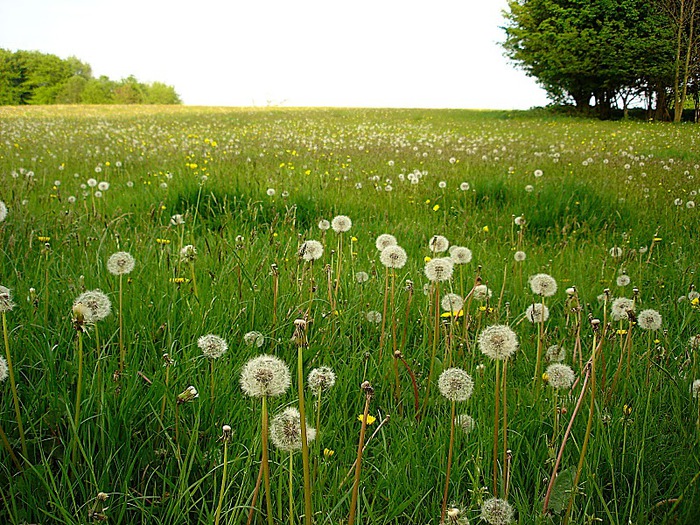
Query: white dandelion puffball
[694,388]
[270,192]
[649,319]
[265,375]
[460,254]
[438,244]
[555,354]
[120,263]
[496,511]
[543,284]
[621,308]
[254,338]
[519,256]
[498,341]
[6,303]
[537,313]
[188,253]
[3,211]
[4,371]
[321,379]
[177,220]
[212,346]
[464,186]
[455,384]
[622,280]
[615,252]
[324,225]
[465,422]
[393,257]
[285,430]
[103,186]
[362,277]
[482,293]
[560,376]
[439,269]
[373,317]
[451,302]
[384,241]
[97,301]
[310,250]
[341,223]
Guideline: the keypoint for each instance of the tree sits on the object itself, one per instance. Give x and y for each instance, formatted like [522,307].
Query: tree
[159,93]
[98,91]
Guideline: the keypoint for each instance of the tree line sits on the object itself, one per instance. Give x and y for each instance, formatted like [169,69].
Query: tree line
[31,77]
[605,54]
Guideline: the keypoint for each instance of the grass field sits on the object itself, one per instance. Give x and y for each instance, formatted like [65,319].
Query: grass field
[93,410]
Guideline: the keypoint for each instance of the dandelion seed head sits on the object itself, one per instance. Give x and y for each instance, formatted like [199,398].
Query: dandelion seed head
[451,302]
[649,319]
[496,511]
[310,250]
[438,244]
[460,254]
[615,252]
[97,301]
[324,225]
[321,379]
[373,317]
[519,256]
[265,375]
[103,186]
[543,284]
[188,253]
[464,186]
[3,211]
[694,388]
[341,223]
[4,372]
[393,257]
[285,430]
[120,263]
[620,308]
[212,346]
[498,342]
[555,354]
[254,338]
[439,269]
[384,241]
[362,277]
[177,220]
[622,280]
[560,376]
[455,384]
[482,293]
[537,313]
[465,422]
[6,303]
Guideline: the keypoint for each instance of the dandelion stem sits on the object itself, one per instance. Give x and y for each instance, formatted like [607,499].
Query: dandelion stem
[449,462]
[78,396]
[266,462]
[291,489]
[122,350]
[13,385]
[436,337]
[386,300]
[358,461]
[7,446]
[308,511]
[223,484]
[495,428]
[194,280]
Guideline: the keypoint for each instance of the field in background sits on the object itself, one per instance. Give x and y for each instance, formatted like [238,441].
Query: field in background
[598,200]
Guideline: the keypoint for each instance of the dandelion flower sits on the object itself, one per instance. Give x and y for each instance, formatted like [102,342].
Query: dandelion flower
[615,252]
[310,250]
[393,257]
[254,338]
[496,511]
[519,256]
[285,430]
[374,317]
[385,240]
[649,319]
[6,303]
[362,277]
[498,341]
[341,223]
[694,342]
[519,220]
[270,192]
[465,422]
[324,225]
[543,284]
[560,376]
[4,371]
[103,186]
[177,220]
[482,293]
[438,244]
[370,418]
[451,302]
[97,301]
[120,263]
[464,186]
[537,313]
[460,254]
[321,379]
[555,354]
[92,182]
[621,308]
[265,375]
[3,211]
[439,269]
[212,346]
[622,280]
[455,384]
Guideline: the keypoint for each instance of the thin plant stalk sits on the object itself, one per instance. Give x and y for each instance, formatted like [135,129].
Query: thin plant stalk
[360,447]
[505,420]
[449,462]
[540,344]
[13,386]
[291,489]
[266,462]
[222,490]
[7,446]
[436,338]
[308,510]
[496,422]
[386,301]
[194,280]
[211,378]
[122,350]
[78,398]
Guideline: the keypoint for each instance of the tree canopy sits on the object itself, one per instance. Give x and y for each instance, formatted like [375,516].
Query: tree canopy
[608,51]
[31,77]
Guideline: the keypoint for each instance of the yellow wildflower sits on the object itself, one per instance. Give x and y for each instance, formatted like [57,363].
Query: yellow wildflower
[370,419]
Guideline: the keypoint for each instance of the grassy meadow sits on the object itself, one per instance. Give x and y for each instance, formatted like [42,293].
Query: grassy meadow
[110,430]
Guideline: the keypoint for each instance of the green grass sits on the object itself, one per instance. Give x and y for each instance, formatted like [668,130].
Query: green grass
[604,184]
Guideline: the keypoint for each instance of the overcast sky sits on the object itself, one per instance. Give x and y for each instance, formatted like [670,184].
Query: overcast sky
[374,53]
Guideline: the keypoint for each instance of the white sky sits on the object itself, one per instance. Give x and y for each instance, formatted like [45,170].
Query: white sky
[373,53]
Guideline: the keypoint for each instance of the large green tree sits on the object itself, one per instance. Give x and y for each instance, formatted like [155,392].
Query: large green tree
[590,49]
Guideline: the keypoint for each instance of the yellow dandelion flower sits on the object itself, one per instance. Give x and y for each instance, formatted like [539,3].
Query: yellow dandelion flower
[427,259]
[370,419]
[42,238]
[485,229]
[327,452]
[436,207]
